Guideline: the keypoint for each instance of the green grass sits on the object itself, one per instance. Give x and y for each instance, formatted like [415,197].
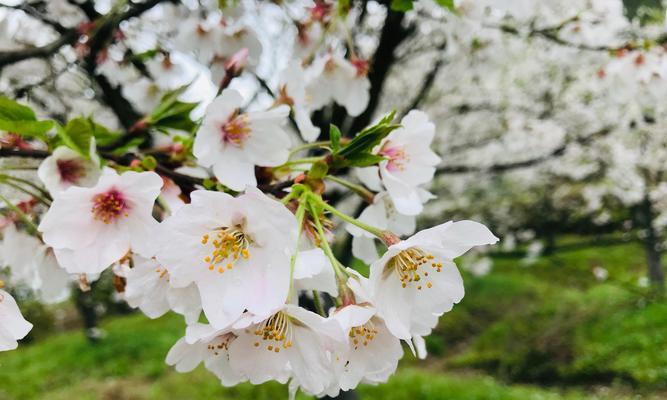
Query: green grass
[128,364]
[553,323]
[549,324]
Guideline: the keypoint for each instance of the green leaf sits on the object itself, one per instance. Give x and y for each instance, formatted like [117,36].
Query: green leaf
[20,119]
[119,151]
[370,137]
[334,136]
[78,133]
[173,113]
[401,5]
[448,4]
[364,160]
[343,7]
[13,111]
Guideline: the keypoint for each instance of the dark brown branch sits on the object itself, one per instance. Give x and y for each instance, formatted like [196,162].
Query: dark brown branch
[429,78]
[499,168]
[392,35]
[14,56]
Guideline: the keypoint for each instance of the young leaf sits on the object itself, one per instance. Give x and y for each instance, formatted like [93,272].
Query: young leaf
[20,119]
[448,4]
[401,5]
[364,160]
[334,136]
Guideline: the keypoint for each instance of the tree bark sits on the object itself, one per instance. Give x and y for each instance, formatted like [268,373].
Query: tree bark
[652,245]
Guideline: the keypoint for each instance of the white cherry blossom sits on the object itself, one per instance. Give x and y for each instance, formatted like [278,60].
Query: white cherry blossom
[91,228]
[148,288]
[290,343]
[416,280]
[65,168]
[236,250]
[383,215]
[409,163]
[13,326]
[202,343]
[334,78]
[234,142]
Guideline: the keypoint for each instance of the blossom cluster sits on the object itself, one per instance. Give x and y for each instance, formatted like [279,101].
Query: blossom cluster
[228,210]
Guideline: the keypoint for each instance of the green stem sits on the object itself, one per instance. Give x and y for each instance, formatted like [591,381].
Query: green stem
[300,214]
[308,146]
[25,190]
[289,197]
[29,183]
[375,231]
[340,272]
[31,225]
[307,160]
[364,193]
[318,303]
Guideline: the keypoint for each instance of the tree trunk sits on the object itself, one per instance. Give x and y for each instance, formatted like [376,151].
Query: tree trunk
[652,245]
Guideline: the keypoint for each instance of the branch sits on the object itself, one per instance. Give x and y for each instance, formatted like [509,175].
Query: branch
[499,168]
[429,78]
[393,34]
[551,34]
[14,56]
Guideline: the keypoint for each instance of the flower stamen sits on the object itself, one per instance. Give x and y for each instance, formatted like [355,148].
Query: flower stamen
[407,263]
[109,206]
[363,335]
[236,130]
[277,331]
[229,245]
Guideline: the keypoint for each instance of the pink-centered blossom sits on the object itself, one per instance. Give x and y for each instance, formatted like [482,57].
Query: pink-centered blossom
[91,228]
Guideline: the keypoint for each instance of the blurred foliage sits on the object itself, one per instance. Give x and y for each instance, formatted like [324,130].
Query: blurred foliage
[647,11]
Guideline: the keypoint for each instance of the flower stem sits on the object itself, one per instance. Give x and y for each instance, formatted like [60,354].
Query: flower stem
[375,231]
[324,244]
[308,146]
[318,303]
[24,190]
[364,193]
[300,214]
[29,183]
[307,160]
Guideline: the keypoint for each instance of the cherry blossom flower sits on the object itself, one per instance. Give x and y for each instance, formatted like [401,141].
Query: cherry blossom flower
[289,343]
[371,352]
[148,289]
[236,250]
[416,280]
[409,163]
[65,168]
[232,40]
[292,92]
[33,265]
[233,143]
[313,271]
[202,343]
[13,326]
[91,228]
[383,215]
[338,79]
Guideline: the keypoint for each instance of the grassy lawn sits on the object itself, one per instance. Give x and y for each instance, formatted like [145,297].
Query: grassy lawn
[546,331]
[128,364]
